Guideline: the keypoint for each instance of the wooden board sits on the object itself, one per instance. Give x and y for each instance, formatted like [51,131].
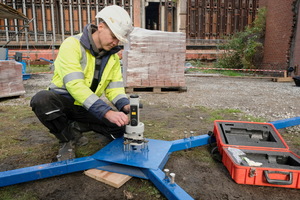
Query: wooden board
[155,89]
[283,79]
[113,179]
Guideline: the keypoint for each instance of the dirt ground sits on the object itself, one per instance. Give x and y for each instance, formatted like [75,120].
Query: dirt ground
[166,117]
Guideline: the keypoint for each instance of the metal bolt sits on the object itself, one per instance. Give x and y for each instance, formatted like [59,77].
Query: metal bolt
[146,143]
[126,145]
[185,134]
[166,173]
[70,153]
[58,157]
[192,134]
[172,178]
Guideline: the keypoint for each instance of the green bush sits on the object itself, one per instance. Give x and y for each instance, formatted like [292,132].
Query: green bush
[244,49]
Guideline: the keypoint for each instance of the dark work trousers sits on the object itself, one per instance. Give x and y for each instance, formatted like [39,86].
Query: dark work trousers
[56,112]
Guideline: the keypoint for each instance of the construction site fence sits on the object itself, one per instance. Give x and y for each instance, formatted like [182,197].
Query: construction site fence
[60,17]
[201,42]
[6,36]
[265,69]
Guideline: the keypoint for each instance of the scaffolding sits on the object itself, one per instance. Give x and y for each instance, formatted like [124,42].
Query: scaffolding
[59,18]
[21,23]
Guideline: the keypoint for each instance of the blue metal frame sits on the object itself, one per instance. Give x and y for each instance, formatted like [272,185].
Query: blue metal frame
[286,122]
[146,163]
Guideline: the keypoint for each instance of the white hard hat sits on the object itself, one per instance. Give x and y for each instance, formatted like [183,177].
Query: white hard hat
[118,20]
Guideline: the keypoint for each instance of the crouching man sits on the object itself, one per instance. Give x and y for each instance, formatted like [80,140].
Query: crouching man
[86,67]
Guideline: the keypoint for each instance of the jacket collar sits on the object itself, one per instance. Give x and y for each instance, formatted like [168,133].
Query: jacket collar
[88,43]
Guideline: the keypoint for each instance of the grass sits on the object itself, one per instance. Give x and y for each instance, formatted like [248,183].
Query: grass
[198,64]
[145,187]
[227,114]
[255,119]
[10,115]
[38,68]
[13,131]
[291,137]
[14,126]
[199,154]
[93,146]
[14,123]
[212,71]
[171,128]
[221,114]
[15,193]
[294,140]
[157,130]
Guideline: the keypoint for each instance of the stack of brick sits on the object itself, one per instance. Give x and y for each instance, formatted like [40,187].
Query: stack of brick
[11,81]
[154,59]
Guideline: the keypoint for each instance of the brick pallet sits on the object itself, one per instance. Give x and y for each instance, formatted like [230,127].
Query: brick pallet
[154,59]
[11,81]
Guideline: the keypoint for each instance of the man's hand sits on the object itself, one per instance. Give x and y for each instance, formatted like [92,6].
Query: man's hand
[118,118]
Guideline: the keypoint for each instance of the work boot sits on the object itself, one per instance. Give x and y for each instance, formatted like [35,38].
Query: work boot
[66,151]
[76,128]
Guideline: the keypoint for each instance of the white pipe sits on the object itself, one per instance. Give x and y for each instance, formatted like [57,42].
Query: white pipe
[16,23]
[62,20]
[44,21]
[53,22]
[34,22]
[80,19]
[71,17]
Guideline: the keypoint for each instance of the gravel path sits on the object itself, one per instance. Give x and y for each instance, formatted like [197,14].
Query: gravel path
[257,97]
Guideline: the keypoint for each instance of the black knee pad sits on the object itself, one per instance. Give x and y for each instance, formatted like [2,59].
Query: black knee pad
[48,108]
[41,98]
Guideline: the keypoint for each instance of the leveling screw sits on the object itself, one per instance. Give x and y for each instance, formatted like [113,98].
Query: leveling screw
[167,171]
[192,134]
[185,134]
[58,157]
[172,178]
[70,153]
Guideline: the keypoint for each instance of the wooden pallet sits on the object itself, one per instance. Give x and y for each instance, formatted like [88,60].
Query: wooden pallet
[155,89]
[283,79]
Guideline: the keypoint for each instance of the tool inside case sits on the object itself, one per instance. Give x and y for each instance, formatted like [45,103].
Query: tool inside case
[269,159]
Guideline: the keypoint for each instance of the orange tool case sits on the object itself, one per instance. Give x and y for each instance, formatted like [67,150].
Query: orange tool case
[256,154]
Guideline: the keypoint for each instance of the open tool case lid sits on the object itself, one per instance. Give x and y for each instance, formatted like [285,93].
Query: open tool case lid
[248,134]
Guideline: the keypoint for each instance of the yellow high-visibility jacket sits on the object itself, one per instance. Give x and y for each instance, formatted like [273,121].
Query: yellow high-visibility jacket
[74,72]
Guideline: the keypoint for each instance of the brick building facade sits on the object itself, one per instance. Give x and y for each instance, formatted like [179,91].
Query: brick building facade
[199,19]
[281,44]
[54,20]
[294,58]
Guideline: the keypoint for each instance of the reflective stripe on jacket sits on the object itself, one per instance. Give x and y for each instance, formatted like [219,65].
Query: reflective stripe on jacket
[74,72]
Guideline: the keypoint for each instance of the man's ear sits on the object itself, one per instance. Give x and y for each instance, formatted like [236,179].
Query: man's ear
[101,25]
